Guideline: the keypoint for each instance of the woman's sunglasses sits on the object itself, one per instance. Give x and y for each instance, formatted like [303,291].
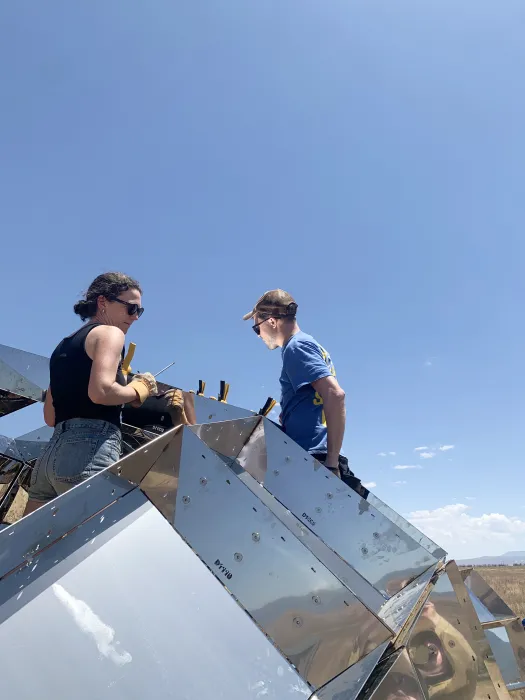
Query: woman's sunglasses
[133,309]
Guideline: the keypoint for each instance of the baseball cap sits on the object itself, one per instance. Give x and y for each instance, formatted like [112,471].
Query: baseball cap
[276,302]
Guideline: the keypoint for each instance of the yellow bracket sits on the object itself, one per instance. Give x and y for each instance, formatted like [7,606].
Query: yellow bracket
[202,386]
[126,364]
[270,403]
[223,391]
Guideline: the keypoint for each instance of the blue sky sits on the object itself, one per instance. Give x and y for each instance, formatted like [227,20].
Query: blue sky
[365,156]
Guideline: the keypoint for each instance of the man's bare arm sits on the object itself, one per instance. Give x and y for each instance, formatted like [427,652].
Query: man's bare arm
[104,346]
[49,409]
[335,413]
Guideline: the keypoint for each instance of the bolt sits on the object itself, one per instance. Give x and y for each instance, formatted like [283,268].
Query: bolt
[316,599]
[186,499]
[329,495]
[255,536]
[452,644]
[376,535]
[364,550]
[237,556]
[298,622]
[203,481]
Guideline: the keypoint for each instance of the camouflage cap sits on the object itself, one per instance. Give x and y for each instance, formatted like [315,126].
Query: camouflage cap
[276,302]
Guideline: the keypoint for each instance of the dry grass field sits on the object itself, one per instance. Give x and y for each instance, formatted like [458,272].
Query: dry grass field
[509,584]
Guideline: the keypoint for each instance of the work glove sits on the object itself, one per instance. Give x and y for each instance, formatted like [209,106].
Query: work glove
[174,399]
[144,385]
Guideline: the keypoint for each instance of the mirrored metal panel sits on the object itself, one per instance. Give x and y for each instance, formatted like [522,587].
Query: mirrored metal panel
[210,411]
[316,621]
[434,549]
[227,437]
[349,684]
[9,402]
[136,615]
[9,449]
[34,368]
[504,655]
[21,541]
[488,596]
[443,650]
[396,678]
[32,444]
[377,548]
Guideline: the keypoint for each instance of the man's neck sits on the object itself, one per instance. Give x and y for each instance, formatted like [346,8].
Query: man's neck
[289,332]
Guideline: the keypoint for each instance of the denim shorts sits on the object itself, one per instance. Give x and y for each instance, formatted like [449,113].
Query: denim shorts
[79,448]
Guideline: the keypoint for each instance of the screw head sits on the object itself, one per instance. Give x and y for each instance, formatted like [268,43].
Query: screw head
[276,472]
[452,643]
[237,556]
[287,459]
[376,535]
[316,599]
[329,495]
[256,537]
[186,499]
[364,550]
[203,481]
[318,510]
[298,621]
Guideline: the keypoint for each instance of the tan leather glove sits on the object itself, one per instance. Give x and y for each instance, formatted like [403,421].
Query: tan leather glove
[144,385]
[175,405]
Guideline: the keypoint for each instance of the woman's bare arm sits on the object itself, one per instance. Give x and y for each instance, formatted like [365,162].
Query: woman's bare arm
[104,346]
[49,409]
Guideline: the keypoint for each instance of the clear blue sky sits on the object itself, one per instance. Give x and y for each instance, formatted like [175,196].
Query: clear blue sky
[366,156]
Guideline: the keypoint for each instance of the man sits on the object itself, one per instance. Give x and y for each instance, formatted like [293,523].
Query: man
[312,402]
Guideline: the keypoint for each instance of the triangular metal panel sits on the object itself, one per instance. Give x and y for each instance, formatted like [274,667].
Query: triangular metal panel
[488,597]
[318,624]
[34,368]
[395,678]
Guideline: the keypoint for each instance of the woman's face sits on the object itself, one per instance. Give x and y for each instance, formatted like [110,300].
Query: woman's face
[122,312]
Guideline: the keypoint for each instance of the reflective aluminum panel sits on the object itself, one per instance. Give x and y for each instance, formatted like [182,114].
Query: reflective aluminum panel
[32,444]
[507,660]
[133,613]
[316,621]
[374,546]
[488,596]
[210,411]
[9,402]
[349,684]
[396,679]
[9,449]
[443,649]
[23,373]
[436,551]
[228,437]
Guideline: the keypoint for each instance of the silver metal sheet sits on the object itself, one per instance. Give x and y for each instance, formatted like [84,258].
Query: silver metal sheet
[377,548]
[349,684]
[137,616]
[317,623]
[405,605]
[134,466]
[20,542]
[481,611]
[9,402]
[227,437]
[359,586]
[434,549]
[504,655]
[443,649]
[488,596]
[32,444]
[23,373]
[9,449]
[210,411]
[396,679]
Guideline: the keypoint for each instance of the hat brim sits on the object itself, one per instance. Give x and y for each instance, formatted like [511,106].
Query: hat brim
[249,315]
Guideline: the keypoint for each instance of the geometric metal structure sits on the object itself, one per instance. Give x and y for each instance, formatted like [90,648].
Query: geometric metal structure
[221,560]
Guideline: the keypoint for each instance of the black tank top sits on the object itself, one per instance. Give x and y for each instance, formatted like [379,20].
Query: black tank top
[69,369]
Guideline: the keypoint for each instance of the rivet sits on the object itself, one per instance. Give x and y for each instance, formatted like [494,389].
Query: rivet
[452,643]
[276,472]
[318,510]
[316,599]
[237,556]
[329,495]
[287,459]
[298,622]
[364,550]
[203,481]
[376,535]
[186,499]
[255,536]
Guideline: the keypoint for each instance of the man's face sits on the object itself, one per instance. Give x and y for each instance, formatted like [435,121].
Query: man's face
[268,331]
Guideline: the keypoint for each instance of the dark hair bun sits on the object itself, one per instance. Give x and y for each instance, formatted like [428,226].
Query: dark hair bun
[109,285]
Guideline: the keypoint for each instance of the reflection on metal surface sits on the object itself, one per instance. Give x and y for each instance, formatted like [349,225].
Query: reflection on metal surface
[21,541]
[209,411]
[405,605]
[229,437]
[23,373]
[487,596]
[121,608]
[32,444]
[136,465]
[443,650]
[9,402]
[379,550]
[316,621]
[396,679]
[436,551]
[504,655]
[349,684]
[160,483]
[363,590]
[9,449]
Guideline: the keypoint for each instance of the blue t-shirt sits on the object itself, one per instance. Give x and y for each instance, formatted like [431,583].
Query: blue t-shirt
[302,415]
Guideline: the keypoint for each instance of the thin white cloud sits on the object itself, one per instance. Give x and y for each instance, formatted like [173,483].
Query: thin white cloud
[407,466]
[400,483]
[370,485]
[470,498]
[381,454]
[464,535]
[392,453]
[420,449]
[427,455]
[446,448]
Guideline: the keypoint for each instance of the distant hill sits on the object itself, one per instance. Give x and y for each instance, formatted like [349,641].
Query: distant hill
[507,559]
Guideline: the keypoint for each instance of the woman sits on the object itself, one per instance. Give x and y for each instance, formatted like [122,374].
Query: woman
[88,388]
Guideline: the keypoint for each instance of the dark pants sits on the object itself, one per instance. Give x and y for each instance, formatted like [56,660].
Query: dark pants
[343,472]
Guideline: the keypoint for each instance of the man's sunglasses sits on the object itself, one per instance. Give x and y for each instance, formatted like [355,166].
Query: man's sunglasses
[256,328]
[133,309]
